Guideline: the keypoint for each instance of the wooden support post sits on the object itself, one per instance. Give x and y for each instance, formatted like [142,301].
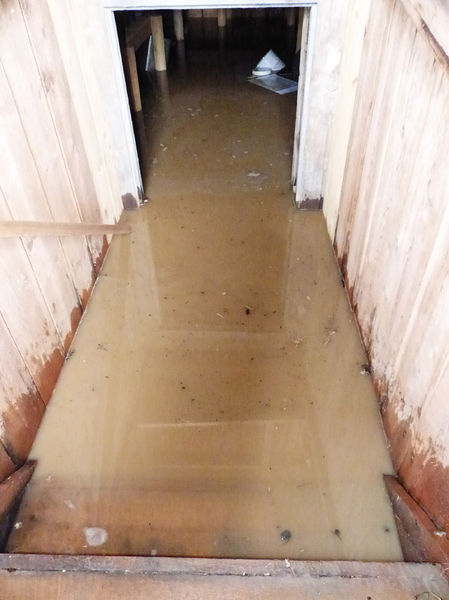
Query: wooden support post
[229,14]
[157,28]
[179,25]
[135,36]
[133,79]
[221,17]
[290,16]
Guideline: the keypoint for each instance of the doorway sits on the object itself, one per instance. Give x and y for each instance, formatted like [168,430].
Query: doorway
[208,24]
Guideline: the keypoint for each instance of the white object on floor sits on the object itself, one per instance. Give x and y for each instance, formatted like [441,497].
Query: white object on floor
[270,61]
[258,72]
[275,83]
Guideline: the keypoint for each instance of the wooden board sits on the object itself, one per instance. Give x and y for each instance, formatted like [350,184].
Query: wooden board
[44,44]
[43,576]
[36,228]
[39,187]
[421,541]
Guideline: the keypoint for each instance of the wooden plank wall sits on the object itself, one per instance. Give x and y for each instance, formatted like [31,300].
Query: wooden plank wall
[52,168]
[392,237]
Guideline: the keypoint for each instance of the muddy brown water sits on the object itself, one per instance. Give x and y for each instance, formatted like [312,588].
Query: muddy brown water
[214,403]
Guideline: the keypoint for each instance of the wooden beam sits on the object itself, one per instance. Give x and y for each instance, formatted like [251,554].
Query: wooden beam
[136,35]
[38,228]
[140,578]
[11,491]
[421,541]
[212,567]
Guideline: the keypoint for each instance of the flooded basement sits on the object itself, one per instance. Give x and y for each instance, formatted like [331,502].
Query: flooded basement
[214,403]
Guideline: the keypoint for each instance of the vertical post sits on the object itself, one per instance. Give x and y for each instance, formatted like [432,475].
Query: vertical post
[221,17]
[228,14]
[179,25]
[133,78]
[157,30]
[130,171]
[299,30]
[308,32]
[290,16]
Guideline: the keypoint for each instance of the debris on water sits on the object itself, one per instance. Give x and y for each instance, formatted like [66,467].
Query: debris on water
[220,315]
[331,333]
[95,536]
[286,536]
[69,354]
[337,532]
[247,311]
[18,525]
[254,174]
[366,369]
[69,504]
[439,533]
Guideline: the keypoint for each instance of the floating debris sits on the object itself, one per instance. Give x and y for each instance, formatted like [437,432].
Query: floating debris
[286,536]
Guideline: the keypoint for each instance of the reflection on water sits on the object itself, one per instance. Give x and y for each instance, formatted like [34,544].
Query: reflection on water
[213,404]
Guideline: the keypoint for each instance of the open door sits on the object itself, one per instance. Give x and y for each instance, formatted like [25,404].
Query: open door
[305,67]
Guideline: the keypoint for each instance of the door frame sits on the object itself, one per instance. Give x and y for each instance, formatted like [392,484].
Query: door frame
[303,100]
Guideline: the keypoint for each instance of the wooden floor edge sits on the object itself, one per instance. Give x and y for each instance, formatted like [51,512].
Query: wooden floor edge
[420,539]
[11,491]
[140,565]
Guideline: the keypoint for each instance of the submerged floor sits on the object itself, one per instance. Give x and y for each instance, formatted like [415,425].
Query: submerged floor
[213,403]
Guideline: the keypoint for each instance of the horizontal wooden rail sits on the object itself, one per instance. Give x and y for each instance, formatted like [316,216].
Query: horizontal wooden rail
[38,228]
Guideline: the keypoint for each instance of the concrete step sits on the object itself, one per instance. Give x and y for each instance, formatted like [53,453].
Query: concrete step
[59,577]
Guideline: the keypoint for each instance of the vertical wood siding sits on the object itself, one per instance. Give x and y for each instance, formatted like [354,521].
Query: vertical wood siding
[392,237]
[46,173]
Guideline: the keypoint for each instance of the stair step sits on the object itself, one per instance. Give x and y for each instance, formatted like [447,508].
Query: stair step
[112,577]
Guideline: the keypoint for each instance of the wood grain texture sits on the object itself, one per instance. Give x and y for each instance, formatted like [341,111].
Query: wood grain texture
[21,405]
[42,38]
[54,172]
[36,184]
[392,241]
[139,577]
[421,541]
